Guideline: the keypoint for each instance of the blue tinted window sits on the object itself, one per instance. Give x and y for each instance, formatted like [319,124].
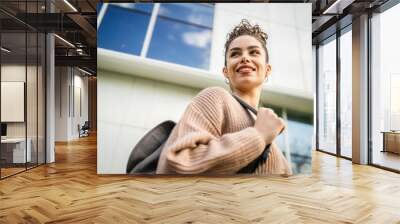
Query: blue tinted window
[181,43]
[199,14]
[144,7]
[300,139]
[98,7]
[123,29]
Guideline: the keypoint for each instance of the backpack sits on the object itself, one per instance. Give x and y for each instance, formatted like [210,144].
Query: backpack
[144,156]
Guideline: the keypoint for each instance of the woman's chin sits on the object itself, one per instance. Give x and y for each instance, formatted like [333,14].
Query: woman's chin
[248,84]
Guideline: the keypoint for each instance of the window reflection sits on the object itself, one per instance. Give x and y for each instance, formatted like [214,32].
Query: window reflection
[327,96]
[124,29]
[346,94]
[187,43]
[300,130]
[196,14]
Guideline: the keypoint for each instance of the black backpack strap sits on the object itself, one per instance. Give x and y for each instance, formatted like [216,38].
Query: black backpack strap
[252,166]
[245,105]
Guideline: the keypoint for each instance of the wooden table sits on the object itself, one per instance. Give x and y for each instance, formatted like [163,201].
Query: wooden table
[391,141]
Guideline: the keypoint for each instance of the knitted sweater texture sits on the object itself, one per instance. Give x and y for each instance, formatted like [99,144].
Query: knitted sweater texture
[216,135]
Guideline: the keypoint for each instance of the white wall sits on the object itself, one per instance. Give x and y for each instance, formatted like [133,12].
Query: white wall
[61,103]
[128,107]
[33,127]
[68,82]
[14,72]
[79,117]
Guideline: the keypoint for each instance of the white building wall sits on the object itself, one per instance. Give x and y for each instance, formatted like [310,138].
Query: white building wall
[128,107]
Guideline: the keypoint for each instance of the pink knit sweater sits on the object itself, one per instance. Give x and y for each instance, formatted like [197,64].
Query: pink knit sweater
[216,136]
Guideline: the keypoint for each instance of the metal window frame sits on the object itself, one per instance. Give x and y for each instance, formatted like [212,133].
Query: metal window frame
[336,38]
[150,30]
[44,72]
[101,14]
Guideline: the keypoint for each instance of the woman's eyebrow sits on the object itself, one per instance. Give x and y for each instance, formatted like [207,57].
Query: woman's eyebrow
[253,46]
[239,49]
[235,49]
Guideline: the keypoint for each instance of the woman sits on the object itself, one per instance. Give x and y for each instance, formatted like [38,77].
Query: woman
[216,135]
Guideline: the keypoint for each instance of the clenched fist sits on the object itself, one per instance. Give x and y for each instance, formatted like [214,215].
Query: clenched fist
[268,124]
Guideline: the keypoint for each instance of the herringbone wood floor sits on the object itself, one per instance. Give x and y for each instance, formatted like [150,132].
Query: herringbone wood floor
[70,191]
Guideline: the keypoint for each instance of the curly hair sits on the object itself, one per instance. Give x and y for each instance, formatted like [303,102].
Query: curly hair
[245,28]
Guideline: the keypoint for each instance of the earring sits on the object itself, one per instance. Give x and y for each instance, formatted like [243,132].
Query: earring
[227,81]
[266,79]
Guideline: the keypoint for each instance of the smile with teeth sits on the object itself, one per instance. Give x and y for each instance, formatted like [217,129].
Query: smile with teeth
[245,69]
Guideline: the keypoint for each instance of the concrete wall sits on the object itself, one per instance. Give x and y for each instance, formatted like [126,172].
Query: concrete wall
[127,108]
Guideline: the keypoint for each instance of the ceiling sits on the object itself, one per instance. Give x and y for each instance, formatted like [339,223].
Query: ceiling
[76,25]
[76,21]
[332,15]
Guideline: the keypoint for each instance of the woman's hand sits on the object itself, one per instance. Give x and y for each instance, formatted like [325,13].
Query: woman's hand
[268,124]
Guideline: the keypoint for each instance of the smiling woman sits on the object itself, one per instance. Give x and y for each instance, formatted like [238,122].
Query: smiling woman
[216,135]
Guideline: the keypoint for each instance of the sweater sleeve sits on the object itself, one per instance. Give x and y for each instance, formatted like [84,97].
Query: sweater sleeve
[275,164]
[197,146]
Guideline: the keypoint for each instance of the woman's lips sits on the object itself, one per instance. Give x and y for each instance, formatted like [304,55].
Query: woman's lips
[245,70]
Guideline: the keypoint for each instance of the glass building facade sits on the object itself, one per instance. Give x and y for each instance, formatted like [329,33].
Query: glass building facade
[183,39]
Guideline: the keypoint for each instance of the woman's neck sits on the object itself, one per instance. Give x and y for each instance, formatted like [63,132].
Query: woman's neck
[251,97]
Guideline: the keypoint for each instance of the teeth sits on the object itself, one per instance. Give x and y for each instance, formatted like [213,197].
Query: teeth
[246,69]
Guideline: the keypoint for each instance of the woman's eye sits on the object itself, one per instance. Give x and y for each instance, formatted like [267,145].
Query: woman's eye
[234,54]
[255,52]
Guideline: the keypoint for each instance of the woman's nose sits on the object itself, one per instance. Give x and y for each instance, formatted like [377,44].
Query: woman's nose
[245,58]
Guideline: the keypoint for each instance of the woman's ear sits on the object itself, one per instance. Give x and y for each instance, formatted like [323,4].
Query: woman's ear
[268,70]
[225,72]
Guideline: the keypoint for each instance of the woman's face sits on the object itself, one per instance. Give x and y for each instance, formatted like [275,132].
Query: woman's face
[246,66]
